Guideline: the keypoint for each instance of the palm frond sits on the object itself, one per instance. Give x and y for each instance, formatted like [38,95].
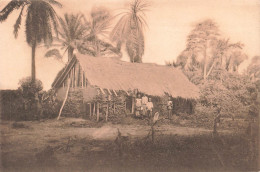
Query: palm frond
[54,3]
[53,52]
[130,28]
[10,7]
[18,23]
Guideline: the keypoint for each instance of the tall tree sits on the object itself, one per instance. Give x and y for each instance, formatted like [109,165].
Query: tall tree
[130,30]
[200,40]
[72,28]
[254,69]
[206,50]
[227,55]
[96,42]
[41,21]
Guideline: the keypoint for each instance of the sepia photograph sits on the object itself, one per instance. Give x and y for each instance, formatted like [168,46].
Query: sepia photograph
[129,85]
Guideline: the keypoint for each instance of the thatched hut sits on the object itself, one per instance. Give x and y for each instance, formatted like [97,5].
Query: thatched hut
[91,76]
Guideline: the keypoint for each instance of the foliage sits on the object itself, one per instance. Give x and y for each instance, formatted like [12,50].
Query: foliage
[40,22]
[227,94]
[206,51]
[129,30]
[211,62]
[50,104]
[253,70]
[29,89]
[87,36]
[95,43]
[11,105]
[72,28]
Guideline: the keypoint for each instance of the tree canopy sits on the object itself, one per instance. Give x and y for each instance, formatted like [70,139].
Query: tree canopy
[129,30]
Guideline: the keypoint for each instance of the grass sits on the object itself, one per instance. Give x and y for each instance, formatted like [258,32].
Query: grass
[66,145]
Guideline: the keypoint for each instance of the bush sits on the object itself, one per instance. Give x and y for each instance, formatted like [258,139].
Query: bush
[50,104]
[29,89]
[31,100]
[227,94]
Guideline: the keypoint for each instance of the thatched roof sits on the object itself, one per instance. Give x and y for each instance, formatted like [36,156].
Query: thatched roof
[151,79]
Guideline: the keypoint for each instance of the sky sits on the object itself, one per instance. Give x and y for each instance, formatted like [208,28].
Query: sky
[169,23]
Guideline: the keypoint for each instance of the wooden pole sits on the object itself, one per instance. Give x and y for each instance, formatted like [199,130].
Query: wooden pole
[114,108]
[81,72]
[84,78]
[90,110]
[76,75]
[72,77]
[97,111]
[125,107]
[65,99]
[107,112]
[133,104]
[94,109]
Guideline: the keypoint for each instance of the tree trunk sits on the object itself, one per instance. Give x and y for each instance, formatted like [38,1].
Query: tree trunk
[33,61]
[65,99]
[210,70]
[97,43]
[70,53]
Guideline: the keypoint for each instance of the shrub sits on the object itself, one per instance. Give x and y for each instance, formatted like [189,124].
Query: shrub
[227,94]
[29,89]
[50,104]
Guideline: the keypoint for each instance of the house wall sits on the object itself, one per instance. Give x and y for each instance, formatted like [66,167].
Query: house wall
[76,103]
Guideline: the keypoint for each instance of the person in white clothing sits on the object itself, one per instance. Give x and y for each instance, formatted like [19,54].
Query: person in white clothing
[149,106]
[144,104]
[169,107]
[138,105]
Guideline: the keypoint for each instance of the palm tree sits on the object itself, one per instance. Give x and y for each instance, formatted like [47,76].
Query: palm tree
[130,30]
[95,43]
[40,22]
[84,35]
[72,29]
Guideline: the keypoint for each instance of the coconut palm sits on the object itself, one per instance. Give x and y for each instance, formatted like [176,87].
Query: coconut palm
[130,30]
[84,35]
[72,29]
[96,42]
[41,21]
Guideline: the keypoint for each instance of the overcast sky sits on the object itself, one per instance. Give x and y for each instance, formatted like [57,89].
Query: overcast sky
[170,21]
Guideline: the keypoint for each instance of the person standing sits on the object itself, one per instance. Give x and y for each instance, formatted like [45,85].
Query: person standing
[144,104]
[149,107]
[138,105]
[169,107]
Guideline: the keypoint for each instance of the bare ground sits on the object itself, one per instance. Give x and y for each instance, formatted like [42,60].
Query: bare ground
[72,144]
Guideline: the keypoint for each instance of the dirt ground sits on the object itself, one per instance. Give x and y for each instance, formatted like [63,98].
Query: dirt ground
[72,144]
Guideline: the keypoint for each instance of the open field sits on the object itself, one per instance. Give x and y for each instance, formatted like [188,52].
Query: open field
[81,145]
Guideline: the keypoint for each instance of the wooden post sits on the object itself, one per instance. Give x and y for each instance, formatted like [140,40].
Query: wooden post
[73,77]
[114,108]
[90,110]
[94,109]
[107,112]
[82,83]
[84,78]
[76,75]
[125,108]
[133,104]
[97,111]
